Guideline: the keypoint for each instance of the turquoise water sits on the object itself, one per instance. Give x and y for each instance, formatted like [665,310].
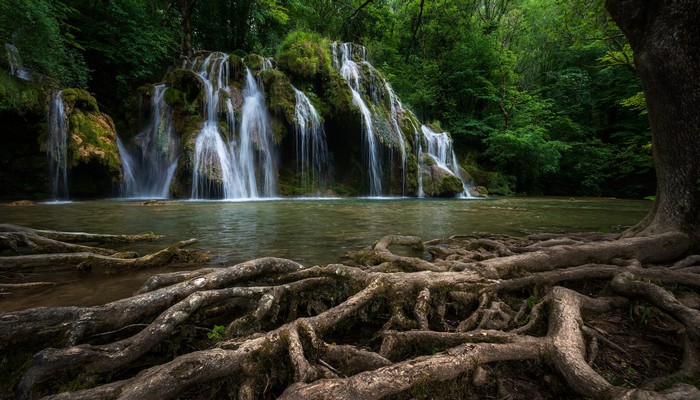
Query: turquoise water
[308,231]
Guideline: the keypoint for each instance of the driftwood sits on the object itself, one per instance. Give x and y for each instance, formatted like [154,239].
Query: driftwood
[388,326]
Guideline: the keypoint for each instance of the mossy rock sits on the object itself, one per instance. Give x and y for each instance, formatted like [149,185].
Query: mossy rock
[92,137]
[20,96]
[450,186]
[254,61]
[437,182]
[174,97]
[304,55]
[147,90]
[236,67]
[495,183]
[186,82]
[337,95]
[279,96]
[79,98]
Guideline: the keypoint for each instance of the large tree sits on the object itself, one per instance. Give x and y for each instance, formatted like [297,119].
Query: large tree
[486,316]
[665,37]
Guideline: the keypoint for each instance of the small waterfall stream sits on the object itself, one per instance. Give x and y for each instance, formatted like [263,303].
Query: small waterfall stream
[438,146]
[57,147]
[313,158]
[149,162]
[256,152]
[344,62]
[15,61]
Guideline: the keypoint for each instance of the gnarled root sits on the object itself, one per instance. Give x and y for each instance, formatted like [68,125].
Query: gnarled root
[390,327]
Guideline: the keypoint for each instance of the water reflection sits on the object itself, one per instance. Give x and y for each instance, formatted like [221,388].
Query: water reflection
[316,231]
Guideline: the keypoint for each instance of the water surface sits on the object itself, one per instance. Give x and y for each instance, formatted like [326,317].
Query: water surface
[308,231]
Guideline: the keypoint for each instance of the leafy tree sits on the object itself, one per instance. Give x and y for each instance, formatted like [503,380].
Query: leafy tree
[40,31]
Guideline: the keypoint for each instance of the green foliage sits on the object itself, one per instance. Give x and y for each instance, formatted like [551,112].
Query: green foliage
[280,96]
[19,96]
[525,153]
[45,40]
[129,38]
[304,55]
[216,332]
[637,102]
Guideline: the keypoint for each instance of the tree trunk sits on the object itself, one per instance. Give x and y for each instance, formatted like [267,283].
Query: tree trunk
[665,37]
[186,13]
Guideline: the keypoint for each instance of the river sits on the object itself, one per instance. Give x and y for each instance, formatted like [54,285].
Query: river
[310,231]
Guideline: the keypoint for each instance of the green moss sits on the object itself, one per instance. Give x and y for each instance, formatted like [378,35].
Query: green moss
[79,98]
[304,55]
[92,136]
[450,186]
[495,183]
[186,81]
[146,90]
[337,94]
[173,97]
[254,62]
[236,67]
[279,131]
[18,95]
[280,96]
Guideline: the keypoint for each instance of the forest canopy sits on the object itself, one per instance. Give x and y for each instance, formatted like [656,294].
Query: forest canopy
[541,97]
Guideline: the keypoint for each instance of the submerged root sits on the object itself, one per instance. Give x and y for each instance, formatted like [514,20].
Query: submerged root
[41,251]
[390,326]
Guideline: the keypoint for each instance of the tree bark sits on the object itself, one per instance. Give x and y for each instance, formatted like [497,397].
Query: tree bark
[665,37]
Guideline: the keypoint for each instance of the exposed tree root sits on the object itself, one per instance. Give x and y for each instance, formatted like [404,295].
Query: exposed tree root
[390,326]
[40,250]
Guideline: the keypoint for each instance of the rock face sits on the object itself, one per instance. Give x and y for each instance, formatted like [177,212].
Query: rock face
[317,120]
[243,127]
[439,182]
[93,161]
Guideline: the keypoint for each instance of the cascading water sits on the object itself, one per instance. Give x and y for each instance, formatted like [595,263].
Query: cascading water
[256,150]
[57,148]
[15,61]
[212,173]
[397,107]
[313,158]
[246,166]
[149,164]
[438,146]
[348,68]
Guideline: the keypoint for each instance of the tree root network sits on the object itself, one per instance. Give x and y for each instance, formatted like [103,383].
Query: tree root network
[536,317]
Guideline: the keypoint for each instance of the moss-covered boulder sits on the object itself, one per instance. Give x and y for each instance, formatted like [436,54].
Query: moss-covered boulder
[19,96]
[438,182]
[187,82]
[304,55]
[93,157]
[254,62]
[79,98]
[279,94]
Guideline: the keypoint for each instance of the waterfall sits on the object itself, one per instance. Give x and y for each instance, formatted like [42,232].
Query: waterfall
[438,146]
[348,68]
[227,166]
[57,147]
[313,157]
[149,162]
[15,62]
[256,150]
[397,107]
[212,172]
